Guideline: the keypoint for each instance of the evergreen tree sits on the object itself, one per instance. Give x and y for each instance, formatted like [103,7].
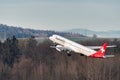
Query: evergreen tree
[10,51]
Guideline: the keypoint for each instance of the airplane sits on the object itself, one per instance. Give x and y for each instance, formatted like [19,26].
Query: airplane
[65,44]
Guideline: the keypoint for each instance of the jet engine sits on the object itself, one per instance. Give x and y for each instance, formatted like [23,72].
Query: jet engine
[59,48]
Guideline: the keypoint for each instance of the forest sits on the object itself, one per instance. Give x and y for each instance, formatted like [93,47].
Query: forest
[30,60]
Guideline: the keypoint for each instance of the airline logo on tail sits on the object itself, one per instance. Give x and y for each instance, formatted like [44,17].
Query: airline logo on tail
[101,52]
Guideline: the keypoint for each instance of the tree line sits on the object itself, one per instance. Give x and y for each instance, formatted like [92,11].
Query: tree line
[30,60]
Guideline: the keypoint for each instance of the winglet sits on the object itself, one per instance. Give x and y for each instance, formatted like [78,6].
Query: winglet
[100,53]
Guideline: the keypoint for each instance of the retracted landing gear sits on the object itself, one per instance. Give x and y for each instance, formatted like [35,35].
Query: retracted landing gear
[68,53]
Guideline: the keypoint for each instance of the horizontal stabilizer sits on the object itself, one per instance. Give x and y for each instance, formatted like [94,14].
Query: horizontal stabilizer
[106,56]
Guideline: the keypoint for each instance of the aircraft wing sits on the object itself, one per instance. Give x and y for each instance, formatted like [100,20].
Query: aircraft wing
[98,47]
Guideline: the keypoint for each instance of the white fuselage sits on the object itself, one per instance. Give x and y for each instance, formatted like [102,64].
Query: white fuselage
[73,46]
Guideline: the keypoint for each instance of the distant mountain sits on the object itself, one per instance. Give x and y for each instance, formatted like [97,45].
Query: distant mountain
[9,31]
[111,33]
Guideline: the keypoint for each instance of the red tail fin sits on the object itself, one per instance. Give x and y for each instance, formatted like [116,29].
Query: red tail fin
[101,52]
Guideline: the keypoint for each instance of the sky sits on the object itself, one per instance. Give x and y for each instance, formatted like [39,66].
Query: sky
[61,15]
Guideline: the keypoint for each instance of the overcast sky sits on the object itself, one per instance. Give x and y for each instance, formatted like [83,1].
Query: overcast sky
[98,15]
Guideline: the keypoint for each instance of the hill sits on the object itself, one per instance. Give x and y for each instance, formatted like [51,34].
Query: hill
[19,32]
[110,34]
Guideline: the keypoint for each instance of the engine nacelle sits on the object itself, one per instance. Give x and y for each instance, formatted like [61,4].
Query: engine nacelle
[59,48]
